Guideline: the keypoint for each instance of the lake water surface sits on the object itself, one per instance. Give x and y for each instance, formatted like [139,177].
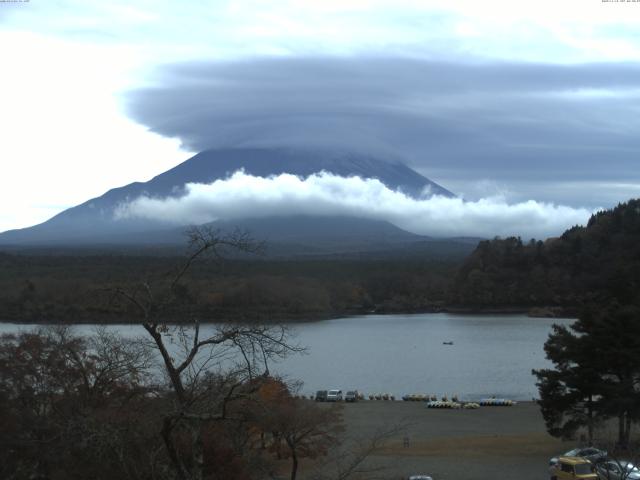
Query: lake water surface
[399,354]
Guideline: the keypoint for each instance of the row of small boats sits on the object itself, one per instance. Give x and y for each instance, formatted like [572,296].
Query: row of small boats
[420,397]
[444,402]
[453,405]
[382,396]
[497,402]
[433,401]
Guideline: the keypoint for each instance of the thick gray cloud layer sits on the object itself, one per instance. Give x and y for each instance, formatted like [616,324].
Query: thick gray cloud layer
[461,121]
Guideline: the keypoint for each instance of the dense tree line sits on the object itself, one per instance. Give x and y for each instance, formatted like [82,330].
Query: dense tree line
[596,271]
[596,263]
[71,288]
[596,374]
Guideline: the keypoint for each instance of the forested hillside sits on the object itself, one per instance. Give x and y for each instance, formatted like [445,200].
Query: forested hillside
[74,288]
[596,263]
[599,262]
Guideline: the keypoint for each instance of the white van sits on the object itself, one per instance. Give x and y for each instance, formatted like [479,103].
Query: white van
[334,396]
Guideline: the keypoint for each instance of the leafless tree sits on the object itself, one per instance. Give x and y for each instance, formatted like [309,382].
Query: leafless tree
[207,366]
[65,399]
[353,458]
[300,428]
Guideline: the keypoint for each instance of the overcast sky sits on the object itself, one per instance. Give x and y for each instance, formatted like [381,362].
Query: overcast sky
[525,100]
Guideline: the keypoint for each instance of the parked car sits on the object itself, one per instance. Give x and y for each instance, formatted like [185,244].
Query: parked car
[351,396]
[592,454]
[334,396]
[572,468]
[618,470]
[321,396]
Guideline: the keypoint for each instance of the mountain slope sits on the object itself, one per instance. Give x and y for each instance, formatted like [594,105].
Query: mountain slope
[93,220]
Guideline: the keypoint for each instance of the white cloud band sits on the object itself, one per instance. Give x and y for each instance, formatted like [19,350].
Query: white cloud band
[246,196]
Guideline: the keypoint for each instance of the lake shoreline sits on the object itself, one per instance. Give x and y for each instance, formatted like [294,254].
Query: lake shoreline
[285,323]
[530,312]
[471,356]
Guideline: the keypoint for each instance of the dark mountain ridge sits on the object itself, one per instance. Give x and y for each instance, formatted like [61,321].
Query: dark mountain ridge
[93,221]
